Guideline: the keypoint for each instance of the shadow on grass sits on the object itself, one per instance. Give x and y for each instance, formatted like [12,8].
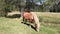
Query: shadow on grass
[30,26]
[14,16]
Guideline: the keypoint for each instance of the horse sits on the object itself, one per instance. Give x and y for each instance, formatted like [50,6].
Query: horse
[32,18]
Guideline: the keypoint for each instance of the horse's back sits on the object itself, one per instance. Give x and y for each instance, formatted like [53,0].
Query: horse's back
[28,15]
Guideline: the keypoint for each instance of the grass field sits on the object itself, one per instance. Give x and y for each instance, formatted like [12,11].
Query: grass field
[50,24]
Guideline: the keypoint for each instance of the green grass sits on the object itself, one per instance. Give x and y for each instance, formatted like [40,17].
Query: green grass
[14,26]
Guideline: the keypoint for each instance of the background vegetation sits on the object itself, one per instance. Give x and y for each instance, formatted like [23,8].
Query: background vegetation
[19,5]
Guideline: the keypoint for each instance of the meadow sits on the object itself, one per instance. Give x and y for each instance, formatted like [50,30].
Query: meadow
[50,24]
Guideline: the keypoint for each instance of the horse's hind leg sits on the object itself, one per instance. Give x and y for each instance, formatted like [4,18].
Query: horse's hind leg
[24,20]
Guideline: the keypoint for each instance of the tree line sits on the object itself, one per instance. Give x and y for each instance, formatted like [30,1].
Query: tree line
[17,5]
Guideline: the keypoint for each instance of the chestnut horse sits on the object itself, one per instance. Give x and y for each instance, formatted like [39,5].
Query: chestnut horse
[32,19]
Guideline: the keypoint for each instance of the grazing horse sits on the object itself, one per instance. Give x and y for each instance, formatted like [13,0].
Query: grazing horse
[32,18]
